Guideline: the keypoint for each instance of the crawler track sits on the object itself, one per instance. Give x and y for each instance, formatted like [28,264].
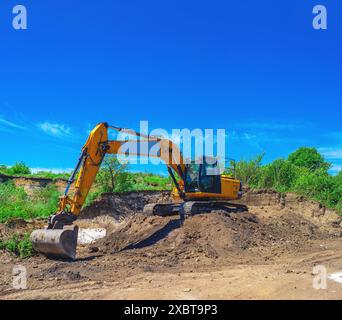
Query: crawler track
[190,208]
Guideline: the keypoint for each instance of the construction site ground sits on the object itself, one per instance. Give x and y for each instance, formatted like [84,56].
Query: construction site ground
[268,252]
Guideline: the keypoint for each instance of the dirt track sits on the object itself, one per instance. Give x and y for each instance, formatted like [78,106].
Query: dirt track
[266,253]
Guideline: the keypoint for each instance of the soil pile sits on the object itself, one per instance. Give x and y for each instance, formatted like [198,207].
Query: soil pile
[121,206]
[271,226]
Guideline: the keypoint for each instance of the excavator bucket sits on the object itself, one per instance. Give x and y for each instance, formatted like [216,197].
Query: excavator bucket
[58,243]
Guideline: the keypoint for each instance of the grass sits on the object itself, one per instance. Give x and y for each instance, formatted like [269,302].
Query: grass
[20,169]
[39,175]
[20,245]
[16,203]
[147,181]
[47,175]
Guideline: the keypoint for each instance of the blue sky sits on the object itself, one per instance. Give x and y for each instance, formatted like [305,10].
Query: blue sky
[256,68]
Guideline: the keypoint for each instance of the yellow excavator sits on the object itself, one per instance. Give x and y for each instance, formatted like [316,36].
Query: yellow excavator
[198,186]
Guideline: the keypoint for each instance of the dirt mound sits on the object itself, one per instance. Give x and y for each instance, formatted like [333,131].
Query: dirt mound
[274,222]
[120,206]
[216,236]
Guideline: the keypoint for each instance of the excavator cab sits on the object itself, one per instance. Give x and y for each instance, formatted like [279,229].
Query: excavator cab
[203,176]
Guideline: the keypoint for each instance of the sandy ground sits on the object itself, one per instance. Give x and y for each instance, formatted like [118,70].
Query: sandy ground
[266,253]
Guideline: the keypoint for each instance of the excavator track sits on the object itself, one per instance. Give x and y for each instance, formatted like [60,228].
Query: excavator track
[190,208]
[161,209]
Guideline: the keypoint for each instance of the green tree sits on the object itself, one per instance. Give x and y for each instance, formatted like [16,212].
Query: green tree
[19,168]
[279,175]
[336,195]
[317,185]
[113,176]
[308,158]
[248,172]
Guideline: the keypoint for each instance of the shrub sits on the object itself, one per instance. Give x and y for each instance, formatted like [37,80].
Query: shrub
[20,168]
[317,185]
[18,244]
[25,247]
[304,172]
[308,158]
[279,175]
[248,171]
[15,203]
[113,176]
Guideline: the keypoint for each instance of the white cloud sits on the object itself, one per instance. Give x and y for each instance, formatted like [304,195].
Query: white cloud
[336,168]
[11,124]
[272,125]
[331,153]
[52,170]
[257,138]
[335,135]
[55,129]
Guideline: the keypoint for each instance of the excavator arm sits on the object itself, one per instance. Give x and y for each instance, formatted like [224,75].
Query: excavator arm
[98,145]
[60,238]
